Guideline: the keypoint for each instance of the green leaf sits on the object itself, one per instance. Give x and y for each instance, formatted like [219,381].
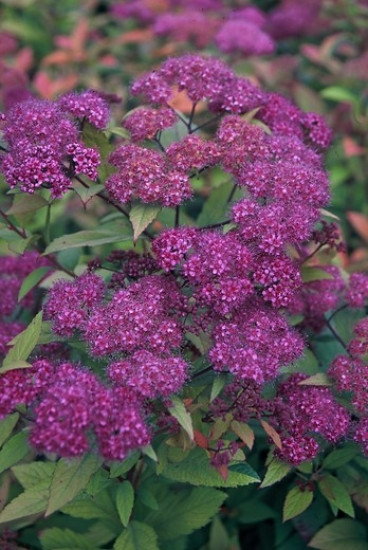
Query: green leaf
[101,507]
[197,470]
[7,425]
[32,280]
[23,344]
[148,499]
[34,474]
[120,468]
[65,539]
[244,468]
[86,193]
[341,534]
[216,207]
[149,451]
[125,501]
[97,139]
[70,477]
[310,273]
[138,536]
[296,502]
[219,539]
[141,215]
[14,450]
[182,512]
[318,379]
[178,411]
[276,471]
[89,237]
[337,93]
[218,384]
[24,204]
[340,457]
[336,494]
[26,504]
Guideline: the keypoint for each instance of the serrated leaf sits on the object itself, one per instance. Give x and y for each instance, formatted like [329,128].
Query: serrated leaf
[296,502]
[318,379]
[101,507]
[26,504]
[336,494]
[272,433]
[125,501]
[138,536]
[89,237]
[243,431]
[310,274]
[341,534]
[14,450]
[65,539]
[34,474]
[178,411]
[196,469]
[32,280]
[7,425]
[141,215]
[70,477]
[23,344]
[276,471]
[182,512]
[244,468]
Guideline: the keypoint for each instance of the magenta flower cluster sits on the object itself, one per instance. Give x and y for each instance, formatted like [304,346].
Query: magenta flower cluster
[222,292]
[45,148]
[234,30]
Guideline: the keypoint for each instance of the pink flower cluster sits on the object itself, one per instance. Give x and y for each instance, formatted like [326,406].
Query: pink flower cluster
[72,410]
[245,31]
[45,146]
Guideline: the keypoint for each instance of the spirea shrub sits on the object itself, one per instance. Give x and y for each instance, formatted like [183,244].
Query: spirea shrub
[173,344]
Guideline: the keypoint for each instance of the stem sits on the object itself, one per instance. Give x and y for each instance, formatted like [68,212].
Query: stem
[203,371]
[13,227]
[177,216]
[191,116]
[337,311]
[337,336]
[107,200]
[4,149]
[313,253]
[232,193]
[214,225]
[210,121]
[23,235]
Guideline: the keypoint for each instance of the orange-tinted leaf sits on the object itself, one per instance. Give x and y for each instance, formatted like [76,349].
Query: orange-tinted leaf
[182,103]
[59,57]
[49,89]
[24,60]
[200,439]
[243,431]
[351,148]
[272,433]
[359,222]
[137,36]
